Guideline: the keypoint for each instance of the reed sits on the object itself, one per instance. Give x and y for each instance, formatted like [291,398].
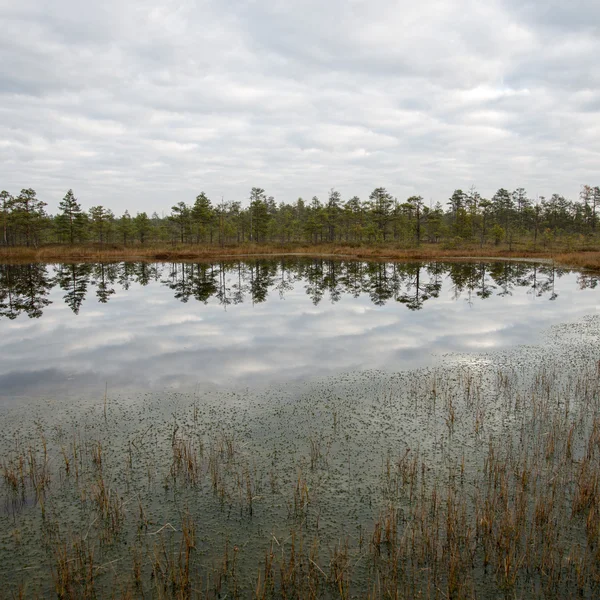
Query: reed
[502,499]
[582,257]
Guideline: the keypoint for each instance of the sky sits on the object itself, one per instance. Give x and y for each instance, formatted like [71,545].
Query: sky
[141,104]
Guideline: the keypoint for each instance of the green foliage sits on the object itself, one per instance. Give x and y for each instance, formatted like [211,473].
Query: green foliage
[70,222]
[126,228]
[202,215]
[6,204]
[142,226]
[181,217]
[101,224]
[381,207]
[498,233]
[260,215]
[508,217]
[28,216]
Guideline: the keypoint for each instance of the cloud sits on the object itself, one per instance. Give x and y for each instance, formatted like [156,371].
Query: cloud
[141,104]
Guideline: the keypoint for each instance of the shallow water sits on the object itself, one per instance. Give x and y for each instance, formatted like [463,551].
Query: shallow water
[72,329]
[341,430]
[319,462]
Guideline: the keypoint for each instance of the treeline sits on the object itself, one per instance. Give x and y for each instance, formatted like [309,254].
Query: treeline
[466,216]
[25,289]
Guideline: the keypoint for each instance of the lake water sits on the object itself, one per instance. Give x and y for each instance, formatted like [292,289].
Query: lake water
[299,428]
[75,328]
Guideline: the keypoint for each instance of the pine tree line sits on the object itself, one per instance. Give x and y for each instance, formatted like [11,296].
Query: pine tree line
[467,216]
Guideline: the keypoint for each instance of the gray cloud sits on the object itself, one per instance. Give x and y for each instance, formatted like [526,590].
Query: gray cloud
[140,104]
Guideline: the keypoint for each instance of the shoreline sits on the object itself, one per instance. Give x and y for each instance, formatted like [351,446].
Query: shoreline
[582,259]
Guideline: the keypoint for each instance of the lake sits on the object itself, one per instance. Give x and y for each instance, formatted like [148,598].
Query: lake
[299,428]
[75,328]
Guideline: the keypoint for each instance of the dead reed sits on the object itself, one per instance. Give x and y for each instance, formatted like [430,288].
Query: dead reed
[500,499]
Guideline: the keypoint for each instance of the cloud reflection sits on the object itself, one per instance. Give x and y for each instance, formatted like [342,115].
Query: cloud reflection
[249,323]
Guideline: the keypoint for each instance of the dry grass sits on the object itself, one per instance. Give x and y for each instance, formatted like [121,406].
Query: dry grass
[581,255]
[523,521]
[581,260]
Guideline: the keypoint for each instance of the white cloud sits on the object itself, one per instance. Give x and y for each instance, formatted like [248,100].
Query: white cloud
[139,104]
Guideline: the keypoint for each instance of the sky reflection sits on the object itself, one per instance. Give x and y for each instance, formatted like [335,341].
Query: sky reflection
[70,328]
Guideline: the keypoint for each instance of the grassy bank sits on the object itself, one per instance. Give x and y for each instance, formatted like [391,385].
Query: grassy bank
[583,256]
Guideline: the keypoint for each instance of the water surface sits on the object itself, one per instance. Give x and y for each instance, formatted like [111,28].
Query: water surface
[66,328]
[314,450]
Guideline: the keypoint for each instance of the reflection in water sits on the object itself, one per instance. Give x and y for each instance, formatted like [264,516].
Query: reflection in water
[140,325]
[24,288]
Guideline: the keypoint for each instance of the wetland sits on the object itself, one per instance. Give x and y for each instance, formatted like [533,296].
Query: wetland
[299,428]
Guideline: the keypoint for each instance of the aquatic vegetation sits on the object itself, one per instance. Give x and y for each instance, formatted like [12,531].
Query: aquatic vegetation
[476,478]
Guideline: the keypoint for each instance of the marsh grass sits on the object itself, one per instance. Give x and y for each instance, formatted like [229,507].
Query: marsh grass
[578,254]
[457,483]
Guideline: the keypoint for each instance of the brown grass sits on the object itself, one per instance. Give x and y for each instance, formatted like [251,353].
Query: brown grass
[585,256]
[521,521]
[581,260]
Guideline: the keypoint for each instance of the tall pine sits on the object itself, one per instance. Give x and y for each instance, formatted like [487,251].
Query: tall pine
[70,222]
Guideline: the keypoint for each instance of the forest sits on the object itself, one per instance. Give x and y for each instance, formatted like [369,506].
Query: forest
[466,217]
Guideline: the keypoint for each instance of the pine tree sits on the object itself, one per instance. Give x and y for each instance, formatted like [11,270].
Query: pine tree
[382,204]
[126,227]
[28,213]
[69,220]
[180,215]
[202,215]
[142,226]
[332,213]
[259,214]
[100,223]
[6,201]
[417,203]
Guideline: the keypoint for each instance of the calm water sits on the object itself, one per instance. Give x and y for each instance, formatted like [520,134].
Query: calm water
[73,327]
[276,430]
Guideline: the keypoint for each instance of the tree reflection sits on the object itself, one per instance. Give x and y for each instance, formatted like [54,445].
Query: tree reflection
[74,280]
[25,288]
[418,287]
[105,275]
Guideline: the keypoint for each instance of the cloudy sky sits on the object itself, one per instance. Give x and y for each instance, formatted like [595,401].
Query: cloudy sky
[140,104]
